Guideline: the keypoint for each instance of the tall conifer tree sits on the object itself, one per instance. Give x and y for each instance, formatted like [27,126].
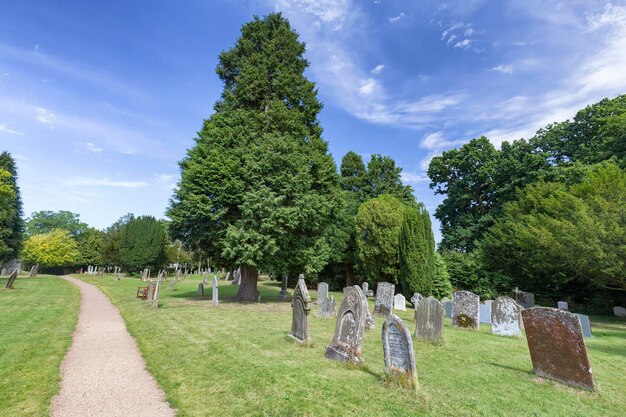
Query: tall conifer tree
[12,224]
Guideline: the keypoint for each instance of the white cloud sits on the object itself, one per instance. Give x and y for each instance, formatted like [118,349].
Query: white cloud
[101,182]
[5,129]
[378,69]
[465,43]
[398,17]
[504,69]
[368,86]
[413,177]
[91,147]
[45,116]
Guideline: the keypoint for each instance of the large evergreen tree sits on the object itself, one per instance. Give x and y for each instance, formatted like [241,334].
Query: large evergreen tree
[11,223]
[142,244]
[257,189]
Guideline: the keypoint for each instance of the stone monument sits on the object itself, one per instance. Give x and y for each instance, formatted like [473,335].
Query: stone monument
[322,293]
[399,302]
[562,305]
[465,310]
[398,352]
[301,307]
[214,293]
[619,311]
[525,299]
[283,288]
[384,299]
[11,280]
[327,308]
[429,320]
[201,290]
[505,317]
[416,299]
[348,338]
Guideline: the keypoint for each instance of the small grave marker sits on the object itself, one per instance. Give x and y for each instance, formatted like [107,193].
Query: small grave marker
[399,302]
[398,352]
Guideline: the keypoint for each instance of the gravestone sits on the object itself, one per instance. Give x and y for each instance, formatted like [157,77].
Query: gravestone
[505,317]
[327,308]
[348,338]
[369,320]
[4,271]
[585,325]
[562,305]
[384,299]
[157,290]
[416,299]
[150,295]
[485,313]
[448,306]
[345,290]
[205,281]
[11,280]
[33,271]
[557,347]
[429,320]
[283,288]
[301,307]
[322,293]
[525,299]
[366,289]
[399,302]
[465,310]
[201,290]
[619,311]
[398,352]
[228,276]
[214,293]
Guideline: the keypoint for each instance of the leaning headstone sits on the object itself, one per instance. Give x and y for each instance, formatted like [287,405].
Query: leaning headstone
[228,276]
[384,299]
[505,317]
[301,307]
[33,271]
[4,271]
[174,281]
[157,290]
[557,348]
[399,302]
[465,310]
[448,306]
[327,308]
[525,299]
[214,293]
[562,305]
[585,325]
[398,352]
[348,338]
[416,299]
[283,288]
[201,290]
[619,311]
[429,320]
[11,279]
[485,313]
[322,293]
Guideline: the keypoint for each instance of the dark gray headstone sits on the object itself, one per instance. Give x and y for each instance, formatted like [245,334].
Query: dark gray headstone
[465,310]
[525,299]
[585,324]
[429,320]
[201,290]
[322,292]
[283,287]
[384,299]
[398,351]
[301,307]
[448,306]
[416,299]
[557,347]
[619,311]
[562,305]
[506,317]
[11,280]
[348,338]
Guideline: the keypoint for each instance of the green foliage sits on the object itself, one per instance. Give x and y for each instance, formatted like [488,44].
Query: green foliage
[51,249]
[45,221]
[468,272]
[11,222]
[259,187]
[441,282]
[416,251]
[110,248]
[90,247]
[383,177]
[378,225]
[142,244]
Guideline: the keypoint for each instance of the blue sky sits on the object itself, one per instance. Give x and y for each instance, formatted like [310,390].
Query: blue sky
[100,100]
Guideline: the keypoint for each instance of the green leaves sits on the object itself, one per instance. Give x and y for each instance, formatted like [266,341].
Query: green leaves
[142,244]
[55,248]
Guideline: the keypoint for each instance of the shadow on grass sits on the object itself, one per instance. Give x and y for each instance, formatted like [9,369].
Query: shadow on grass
[511,368]
[619,351]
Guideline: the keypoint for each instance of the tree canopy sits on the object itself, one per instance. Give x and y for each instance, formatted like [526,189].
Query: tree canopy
[51,249]
[142,244]
[11,223]
[45,221]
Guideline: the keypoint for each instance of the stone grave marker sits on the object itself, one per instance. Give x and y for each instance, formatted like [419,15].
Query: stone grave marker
[214,293]
[585,325]
[465,310]
[11,280]
[157,291]
[327,308]
[201,290]
[33,271]
[301,307]
[366,289]
[485,313]
[348,338]
[557,347]
[369,320]
[322,293]
[448,306]
[562,305]
[4,271]
[150,295]
[416,299]
[283,288]
[505,317]
[429,320]
[384,299]
[345,290]
[399,302]
[525,299]
[398,352]
[619,311]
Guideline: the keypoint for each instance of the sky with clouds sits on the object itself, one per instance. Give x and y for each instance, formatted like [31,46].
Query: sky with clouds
[100,100]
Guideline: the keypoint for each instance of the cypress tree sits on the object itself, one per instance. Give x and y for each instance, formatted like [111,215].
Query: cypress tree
[12,224]
[142,244]
[416,252]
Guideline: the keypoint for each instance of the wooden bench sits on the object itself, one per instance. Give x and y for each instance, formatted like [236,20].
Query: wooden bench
[142,292]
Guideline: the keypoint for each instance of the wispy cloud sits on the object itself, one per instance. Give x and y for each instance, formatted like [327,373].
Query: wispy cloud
[378,69]
[503,69]
[6,129]
[45,116]
[102,182]
[91,147]
[398,17]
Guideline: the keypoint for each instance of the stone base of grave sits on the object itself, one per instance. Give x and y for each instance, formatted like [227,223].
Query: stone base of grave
[338,354]
[283,294]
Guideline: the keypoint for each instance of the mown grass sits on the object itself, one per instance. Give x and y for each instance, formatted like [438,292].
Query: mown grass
[236,359]
[37,320]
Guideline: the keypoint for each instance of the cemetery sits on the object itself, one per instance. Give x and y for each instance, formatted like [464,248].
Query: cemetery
[272,276]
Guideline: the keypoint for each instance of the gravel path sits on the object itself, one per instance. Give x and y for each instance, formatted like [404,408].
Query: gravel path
[104,374]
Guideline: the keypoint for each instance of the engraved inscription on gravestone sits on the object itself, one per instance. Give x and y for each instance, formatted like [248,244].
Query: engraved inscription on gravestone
[465,310]
[429,320]
[348,337]
[505,317]
[384,299]
[398,351]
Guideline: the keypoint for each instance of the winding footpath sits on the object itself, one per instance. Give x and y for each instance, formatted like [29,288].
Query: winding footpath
[103,374]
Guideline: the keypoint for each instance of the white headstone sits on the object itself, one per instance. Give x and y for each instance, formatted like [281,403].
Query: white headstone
[322,292]
[215,292]
[399,302]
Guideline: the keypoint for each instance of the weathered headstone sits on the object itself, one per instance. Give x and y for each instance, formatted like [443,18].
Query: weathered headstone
[485,313]
[214,293]
[366,289]
[157,291]
[301,307]
[369,320]
[283,288]
[399,302]
[327,308]
[150,295]
[384,299]
[585,324]
[201,290]
[562,305]
[557,347]
[322,293]
[448,306]
[619,311]
[398,352]
[525,299]
[429,320]
[11,280]
[33,271]
[4,271]
[348,338]
[465,310]
[506,317]
[416,299]
[345,290]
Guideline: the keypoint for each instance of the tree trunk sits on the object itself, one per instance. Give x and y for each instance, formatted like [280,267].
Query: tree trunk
[247,286]
[349,276]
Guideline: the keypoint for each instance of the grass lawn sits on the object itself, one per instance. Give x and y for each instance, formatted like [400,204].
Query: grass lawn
[37,320]
[237,360]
